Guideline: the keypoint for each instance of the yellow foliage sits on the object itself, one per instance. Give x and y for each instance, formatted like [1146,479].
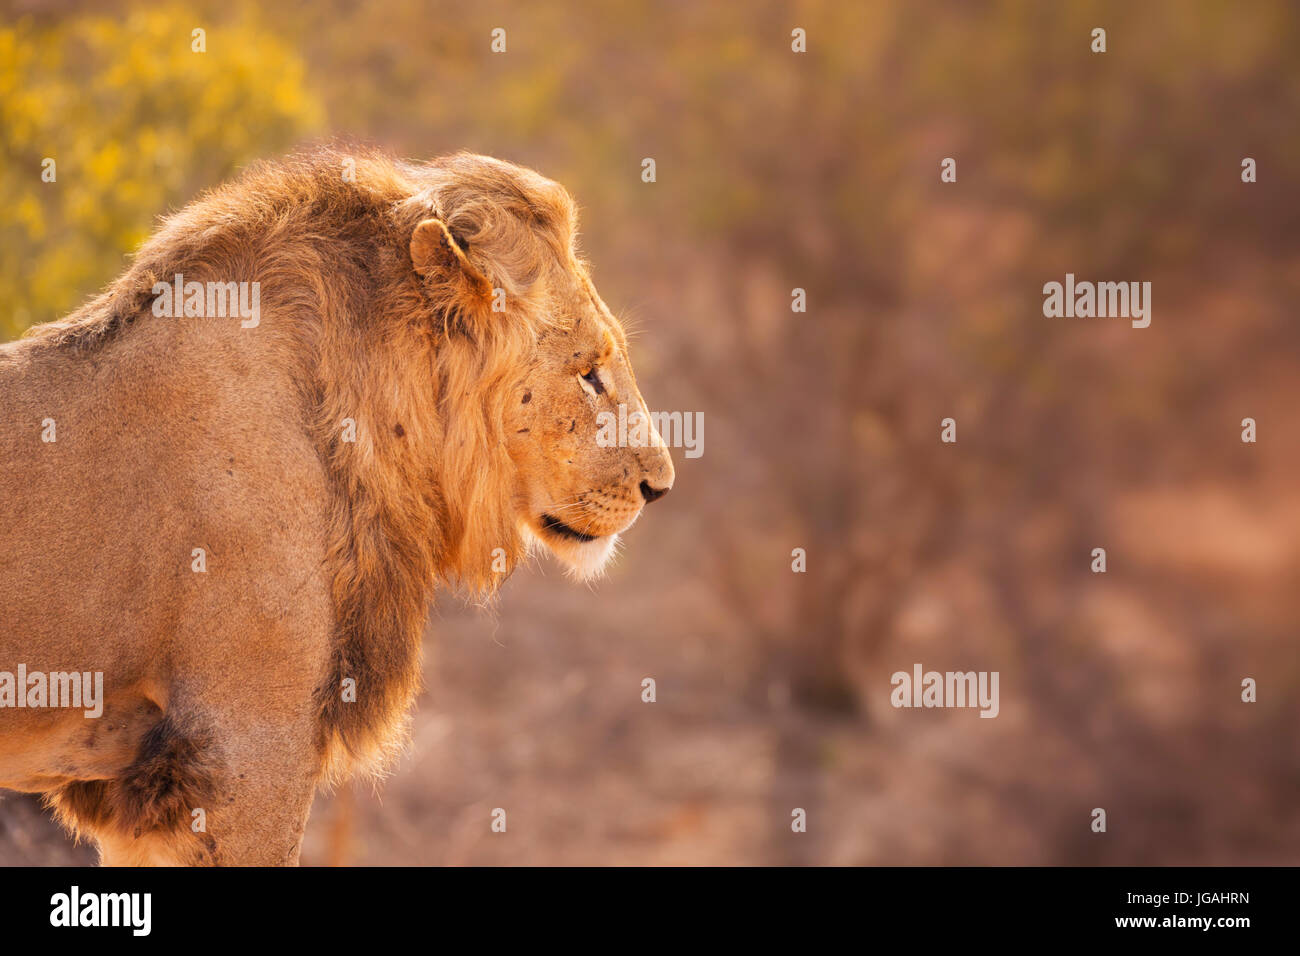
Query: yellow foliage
[135,122]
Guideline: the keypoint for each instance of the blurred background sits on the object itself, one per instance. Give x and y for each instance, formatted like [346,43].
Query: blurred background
[820,171]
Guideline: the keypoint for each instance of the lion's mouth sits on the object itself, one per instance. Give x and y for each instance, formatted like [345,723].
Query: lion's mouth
[558,527]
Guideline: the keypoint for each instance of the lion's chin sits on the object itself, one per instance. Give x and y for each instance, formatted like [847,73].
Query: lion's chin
[582,560]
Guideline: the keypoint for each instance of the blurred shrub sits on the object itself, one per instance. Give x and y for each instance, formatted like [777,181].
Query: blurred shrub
[136,121]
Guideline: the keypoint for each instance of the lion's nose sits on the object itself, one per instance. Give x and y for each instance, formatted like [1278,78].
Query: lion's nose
[650,493]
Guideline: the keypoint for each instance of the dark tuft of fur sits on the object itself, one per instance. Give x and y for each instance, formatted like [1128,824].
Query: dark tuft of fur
[172,774]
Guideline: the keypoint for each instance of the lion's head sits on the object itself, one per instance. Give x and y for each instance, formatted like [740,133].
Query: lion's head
[579,485]
[583,455]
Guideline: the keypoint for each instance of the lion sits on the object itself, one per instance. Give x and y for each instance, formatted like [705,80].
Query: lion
[237,518]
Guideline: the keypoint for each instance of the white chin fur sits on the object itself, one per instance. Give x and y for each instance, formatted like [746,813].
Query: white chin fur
[582,560]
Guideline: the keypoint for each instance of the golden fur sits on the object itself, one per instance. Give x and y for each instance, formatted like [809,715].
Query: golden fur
[435,313]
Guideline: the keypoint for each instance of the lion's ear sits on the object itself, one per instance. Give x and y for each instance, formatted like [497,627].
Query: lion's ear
[437,257]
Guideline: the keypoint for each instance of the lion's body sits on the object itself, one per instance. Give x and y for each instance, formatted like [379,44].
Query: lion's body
[224,670]
[160,447]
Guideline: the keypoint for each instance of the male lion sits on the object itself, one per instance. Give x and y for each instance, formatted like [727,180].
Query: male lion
[239,520]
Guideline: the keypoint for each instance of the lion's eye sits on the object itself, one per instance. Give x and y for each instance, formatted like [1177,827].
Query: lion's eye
[592,378]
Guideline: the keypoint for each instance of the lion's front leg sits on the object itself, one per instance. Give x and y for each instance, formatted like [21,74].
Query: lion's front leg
[262,806]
